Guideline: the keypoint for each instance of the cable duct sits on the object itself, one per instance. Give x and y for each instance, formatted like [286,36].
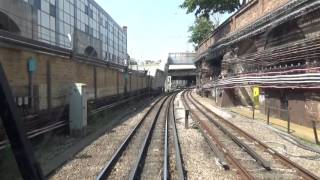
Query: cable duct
[301,50]
[307,80]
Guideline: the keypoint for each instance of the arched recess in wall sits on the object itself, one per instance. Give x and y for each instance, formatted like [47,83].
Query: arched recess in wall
[246,46]
[215,66]
[7,24]
[90,51]
[283,34]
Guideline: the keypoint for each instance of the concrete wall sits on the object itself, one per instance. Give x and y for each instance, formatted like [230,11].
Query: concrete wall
[82,41]
[21,13]
[159,80]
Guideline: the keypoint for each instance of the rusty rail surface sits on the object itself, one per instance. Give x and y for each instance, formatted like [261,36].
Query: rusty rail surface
[179,160]
[220,150]
[302,171]
[235,139]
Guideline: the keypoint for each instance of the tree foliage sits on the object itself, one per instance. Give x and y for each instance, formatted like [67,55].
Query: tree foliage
[200,30]
[206,7]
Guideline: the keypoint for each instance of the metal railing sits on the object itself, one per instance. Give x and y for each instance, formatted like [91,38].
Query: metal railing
[287,112]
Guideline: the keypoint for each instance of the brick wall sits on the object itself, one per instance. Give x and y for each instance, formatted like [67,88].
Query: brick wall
[61,72]
[249,14]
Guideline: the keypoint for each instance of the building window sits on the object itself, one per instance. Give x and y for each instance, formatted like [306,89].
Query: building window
[86,29]
[91,31]
[86,10]
[52,10]
[91,13]
[37,4]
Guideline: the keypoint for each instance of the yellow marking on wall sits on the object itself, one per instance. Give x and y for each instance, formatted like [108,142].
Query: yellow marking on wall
[256,95]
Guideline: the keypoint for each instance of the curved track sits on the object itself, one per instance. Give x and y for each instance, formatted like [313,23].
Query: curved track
[224,137]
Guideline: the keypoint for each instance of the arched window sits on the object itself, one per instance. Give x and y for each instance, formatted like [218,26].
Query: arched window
[7,24]
[91,52]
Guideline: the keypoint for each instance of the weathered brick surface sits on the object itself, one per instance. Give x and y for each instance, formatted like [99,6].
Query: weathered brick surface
[271,5]
[64,72]
[252,12]
[105,82]
[247,16]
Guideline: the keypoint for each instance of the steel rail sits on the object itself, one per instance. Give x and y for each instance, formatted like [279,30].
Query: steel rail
[205,129]
[306,173]
[213,145]
[111,163]
[136,170]
[179,160]
[115,104]
[240,143]
[165,154]
[34,132]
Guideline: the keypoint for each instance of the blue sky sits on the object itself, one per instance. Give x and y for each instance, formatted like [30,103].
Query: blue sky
[155,27]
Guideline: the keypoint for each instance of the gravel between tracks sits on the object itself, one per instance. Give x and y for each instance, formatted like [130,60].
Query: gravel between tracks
[88,163]
[172,166]
[123,167]
[153,163]
[265,134]
[199,160]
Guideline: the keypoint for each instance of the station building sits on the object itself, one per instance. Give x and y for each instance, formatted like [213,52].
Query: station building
[181,70]
[48,46]
[79,25]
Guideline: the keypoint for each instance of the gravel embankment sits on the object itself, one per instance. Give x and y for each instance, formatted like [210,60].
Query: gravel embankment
[199,160]
[271,137]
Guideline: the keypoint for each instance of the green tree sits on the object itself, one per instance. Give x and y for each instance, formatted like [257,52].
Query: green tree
[200,30]
[206,7]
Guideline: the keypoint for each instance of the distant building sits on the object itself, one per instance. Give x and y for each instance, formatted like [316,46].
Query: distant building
[147,65]
[159,80]
[181,71]
[153,69]
[80,25]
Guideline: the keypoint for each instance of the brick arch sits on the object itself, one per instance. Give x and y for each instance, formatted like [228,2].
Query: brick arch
[213,66]
[283,34]
[246,46]
[8,24]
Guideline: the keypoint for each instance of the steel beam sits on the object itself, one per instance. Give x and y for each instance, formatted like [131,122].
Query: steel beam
[17,136]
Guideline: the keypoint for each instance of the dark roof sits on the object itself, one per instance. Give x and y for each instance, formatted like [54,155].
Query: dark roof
[181,58]
[133,62]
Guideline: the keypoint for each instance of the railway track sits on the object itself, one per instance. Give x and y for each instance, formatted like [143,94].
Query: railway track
[173,155]
[236,149]
[34,127]
[146,152]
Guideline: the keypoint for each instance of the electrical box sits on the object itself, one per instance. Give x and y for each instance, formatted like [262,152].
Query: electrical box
[78,109]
